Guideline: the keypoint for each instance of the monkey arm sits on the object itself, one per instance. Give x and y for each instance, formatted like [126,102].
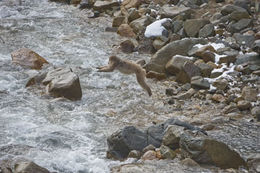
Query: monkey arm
[141,80]
[109,68]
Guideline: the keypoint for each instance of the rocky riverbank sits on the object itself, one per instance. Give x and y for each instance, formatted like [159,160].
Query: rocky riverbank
[202,62]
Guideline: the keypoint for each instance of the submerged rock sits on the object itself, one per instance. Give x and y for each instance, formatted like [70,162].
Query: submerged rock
[63,83]
[28,58]
[29,167]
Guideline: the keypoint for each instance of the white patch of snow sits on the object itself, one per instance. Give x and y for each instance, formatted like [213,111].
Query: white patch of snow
[217,57]
[156,28]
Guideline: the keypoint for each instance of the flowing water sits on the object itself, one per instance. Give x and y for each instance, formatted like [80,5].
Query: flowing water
[63,136]
[60,135]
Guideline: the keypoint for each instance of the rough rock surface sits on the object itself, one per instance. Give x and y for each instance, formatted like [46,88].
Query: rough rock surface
[179,47]
[63,83]
[28,58]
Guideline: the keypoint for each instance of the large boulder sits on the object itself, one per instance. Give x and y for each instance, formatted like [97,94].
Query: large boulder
[28,58]
[122,142]
[193,26]
[205,150]
[62,82]
[29,167]
[179,47]
[130,138]
[250,93]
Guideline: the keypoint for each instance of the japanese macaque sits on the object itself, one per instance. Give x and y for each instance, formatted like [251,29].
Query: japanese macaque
[126,67]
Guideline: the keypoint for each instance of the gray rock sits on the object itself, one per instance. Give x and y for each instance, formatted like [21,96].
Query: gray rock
[198,82]
[86,4]
[176,26]
[167,153]
[175,65]
[102,6]
[247,40]
[256,46]
[162,56]
[248,58]
[228,9]
[122,142]
[193,26]
[29,167]
[130,138]
[256,112]
[240,25]
[172,135]
[149,147]
[210,151]
[207,31]
[187,72]
[63,83]
[173,11]
[243,4]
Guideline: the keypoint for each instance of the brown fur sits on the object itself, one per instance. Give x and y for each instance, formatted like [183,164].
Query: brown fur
[126,67]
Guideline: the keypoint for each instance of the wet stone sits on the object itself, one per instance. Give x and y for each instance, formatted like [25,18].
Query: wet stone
[29,167]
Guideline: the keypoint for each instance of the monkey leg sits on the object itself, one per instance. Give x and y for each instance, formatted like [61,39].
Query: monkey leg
[141,80]
[106,69]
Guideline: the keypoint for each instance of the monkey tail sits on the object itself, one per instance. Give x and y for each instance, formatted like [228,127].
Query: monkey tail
[141,80]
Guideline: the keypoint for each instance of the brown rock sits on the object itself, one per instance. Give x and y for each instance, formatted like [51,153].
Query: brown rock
[127,46]
[131,4]
[156,75]
[28,58]
[218,98]
[117,21]
[187,72]
[249,93]
[126,31]
[208,56]
[149,155]
[29,167]
[220,84]
[243,105]
[175,65]
[203,49]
